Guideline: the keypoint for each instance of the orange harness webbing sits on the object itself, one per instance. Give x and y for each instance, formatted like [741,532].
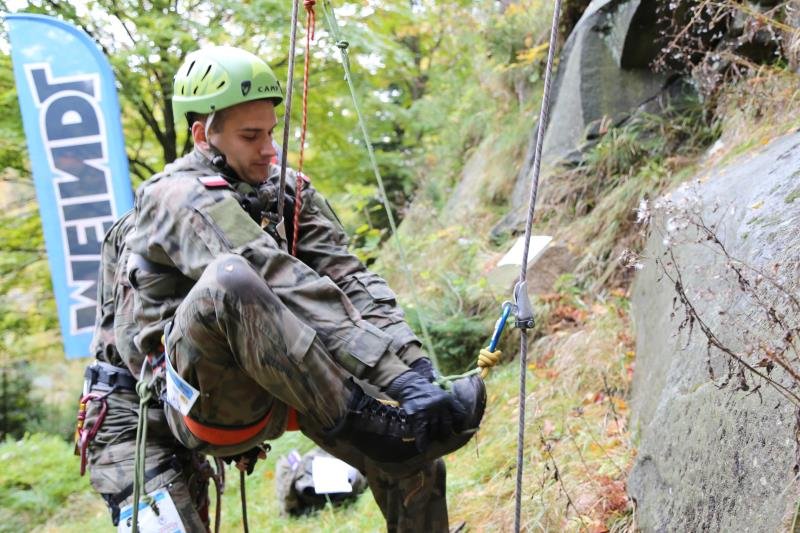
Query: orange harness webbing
[230,437]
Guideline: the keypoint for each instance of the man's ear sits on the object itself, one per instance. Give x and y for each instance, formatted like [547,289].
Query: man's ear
[199,135]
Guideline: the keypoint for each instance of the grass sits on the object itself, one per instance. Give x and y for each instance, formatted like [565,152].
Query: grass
[38,478]
[578,379]
[593,206]
[753,111]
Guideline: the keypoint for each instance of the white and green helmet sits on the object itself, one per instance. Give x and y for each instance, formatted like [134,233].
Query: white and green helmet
[217,77]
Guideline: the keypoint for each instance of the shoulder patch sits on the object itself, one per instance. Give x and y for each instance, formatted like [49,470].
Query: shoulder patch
[214,182]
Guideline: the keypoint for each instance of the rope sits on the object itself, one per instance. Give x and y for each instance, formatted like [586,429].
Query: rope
[333,28]
[287,112]
[145,392]
[244,501]
[488,359]
[219,485]
[298,202]
[537,160]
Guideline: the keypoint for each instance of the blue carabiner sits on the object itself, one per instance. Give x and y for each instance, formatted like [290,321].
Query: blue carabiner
[499,325]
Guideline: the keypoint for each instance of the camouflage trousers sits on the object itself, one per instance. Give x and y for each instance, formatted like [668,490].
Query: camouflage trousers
[251,357]
[111,460]
[411,495]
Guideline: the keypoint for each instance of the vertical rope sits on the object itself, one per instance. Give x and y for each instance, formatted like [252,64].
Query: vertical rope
[243,494]
[287,111]
[144,390]
[544,114]
[219,484]
[333,27]
[298,202]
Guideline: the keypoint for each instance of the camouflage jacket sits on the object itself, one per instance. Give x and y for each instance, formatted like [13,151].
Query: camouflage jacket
[114,319]
[184,220]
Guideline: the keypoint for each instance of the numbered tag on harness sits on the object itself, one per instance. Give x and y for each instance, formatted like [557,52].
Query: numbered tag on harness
[166,521]
[180,394]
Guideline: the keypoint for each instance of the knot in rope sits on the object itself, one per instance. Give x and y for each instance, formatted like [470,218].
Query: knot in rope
[145,391]
[342,45]
[487,359]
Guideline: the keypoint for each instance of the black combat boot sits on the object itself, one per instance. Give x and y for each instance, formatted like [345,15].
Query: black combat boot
[470,392]
[384,432]
[381,431]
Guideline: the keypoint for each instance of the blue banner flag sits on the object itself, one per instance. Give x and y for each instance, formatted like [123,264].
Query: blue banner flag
[72,124]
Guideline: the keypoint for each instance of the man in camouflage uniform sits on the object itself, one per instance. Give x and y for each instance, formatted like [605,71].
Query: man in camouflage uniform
[262,336]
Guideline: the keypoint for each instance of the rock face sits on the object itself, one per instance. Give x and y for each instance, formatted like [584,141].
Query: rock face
[604,72]
[603,78]
[713,457]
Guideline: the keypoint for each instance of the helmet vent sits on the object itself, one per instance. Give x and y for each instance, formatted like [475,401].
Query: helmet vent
[221,84]
[195,90]
[191,66]
[206,73]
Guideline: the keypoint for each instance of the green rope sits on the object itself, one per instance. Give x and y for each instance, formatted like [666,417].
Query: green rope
[145,392]
[333,28]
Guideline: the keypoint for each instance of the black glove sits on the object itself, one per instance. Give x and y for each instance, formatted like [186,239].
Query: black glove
[424,368]
[246,461]
[430,408]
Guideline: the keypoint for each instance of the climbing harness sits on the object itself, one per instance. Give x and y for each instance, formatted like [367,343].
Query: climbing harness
[157,366]
[111,379]
[160,367]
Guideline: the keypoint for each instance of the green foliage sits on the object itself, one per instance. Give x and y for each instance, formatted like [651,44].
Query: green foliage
[27,310]
[569,285]
[457,339]
[649,139]
[517,43]
[13,155]
[18,409]
[38,474]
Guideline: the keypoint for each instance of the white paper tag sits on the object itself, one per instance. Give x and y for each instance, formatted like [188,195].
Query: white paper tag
[180,394]
[166,521]
[330,475]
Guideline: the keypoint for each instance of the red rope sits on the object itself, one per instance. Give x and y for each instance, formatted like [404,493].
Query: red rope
[298,203]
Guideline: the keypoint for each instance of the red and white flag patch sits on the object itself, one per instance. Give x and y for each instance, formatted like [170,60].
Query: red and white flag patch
[214,182]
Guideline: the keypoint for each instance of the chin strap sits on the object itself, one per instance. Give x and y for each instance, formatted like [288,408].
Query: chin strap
[216,157]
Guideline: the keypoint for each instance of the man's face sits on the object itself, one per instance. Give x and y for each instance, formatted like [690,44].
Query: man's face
[246,139]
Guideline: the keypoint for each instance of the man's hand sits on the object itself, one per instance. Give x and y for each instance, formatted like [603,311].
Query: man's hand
[424,367]
[432,410]
[246,461]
